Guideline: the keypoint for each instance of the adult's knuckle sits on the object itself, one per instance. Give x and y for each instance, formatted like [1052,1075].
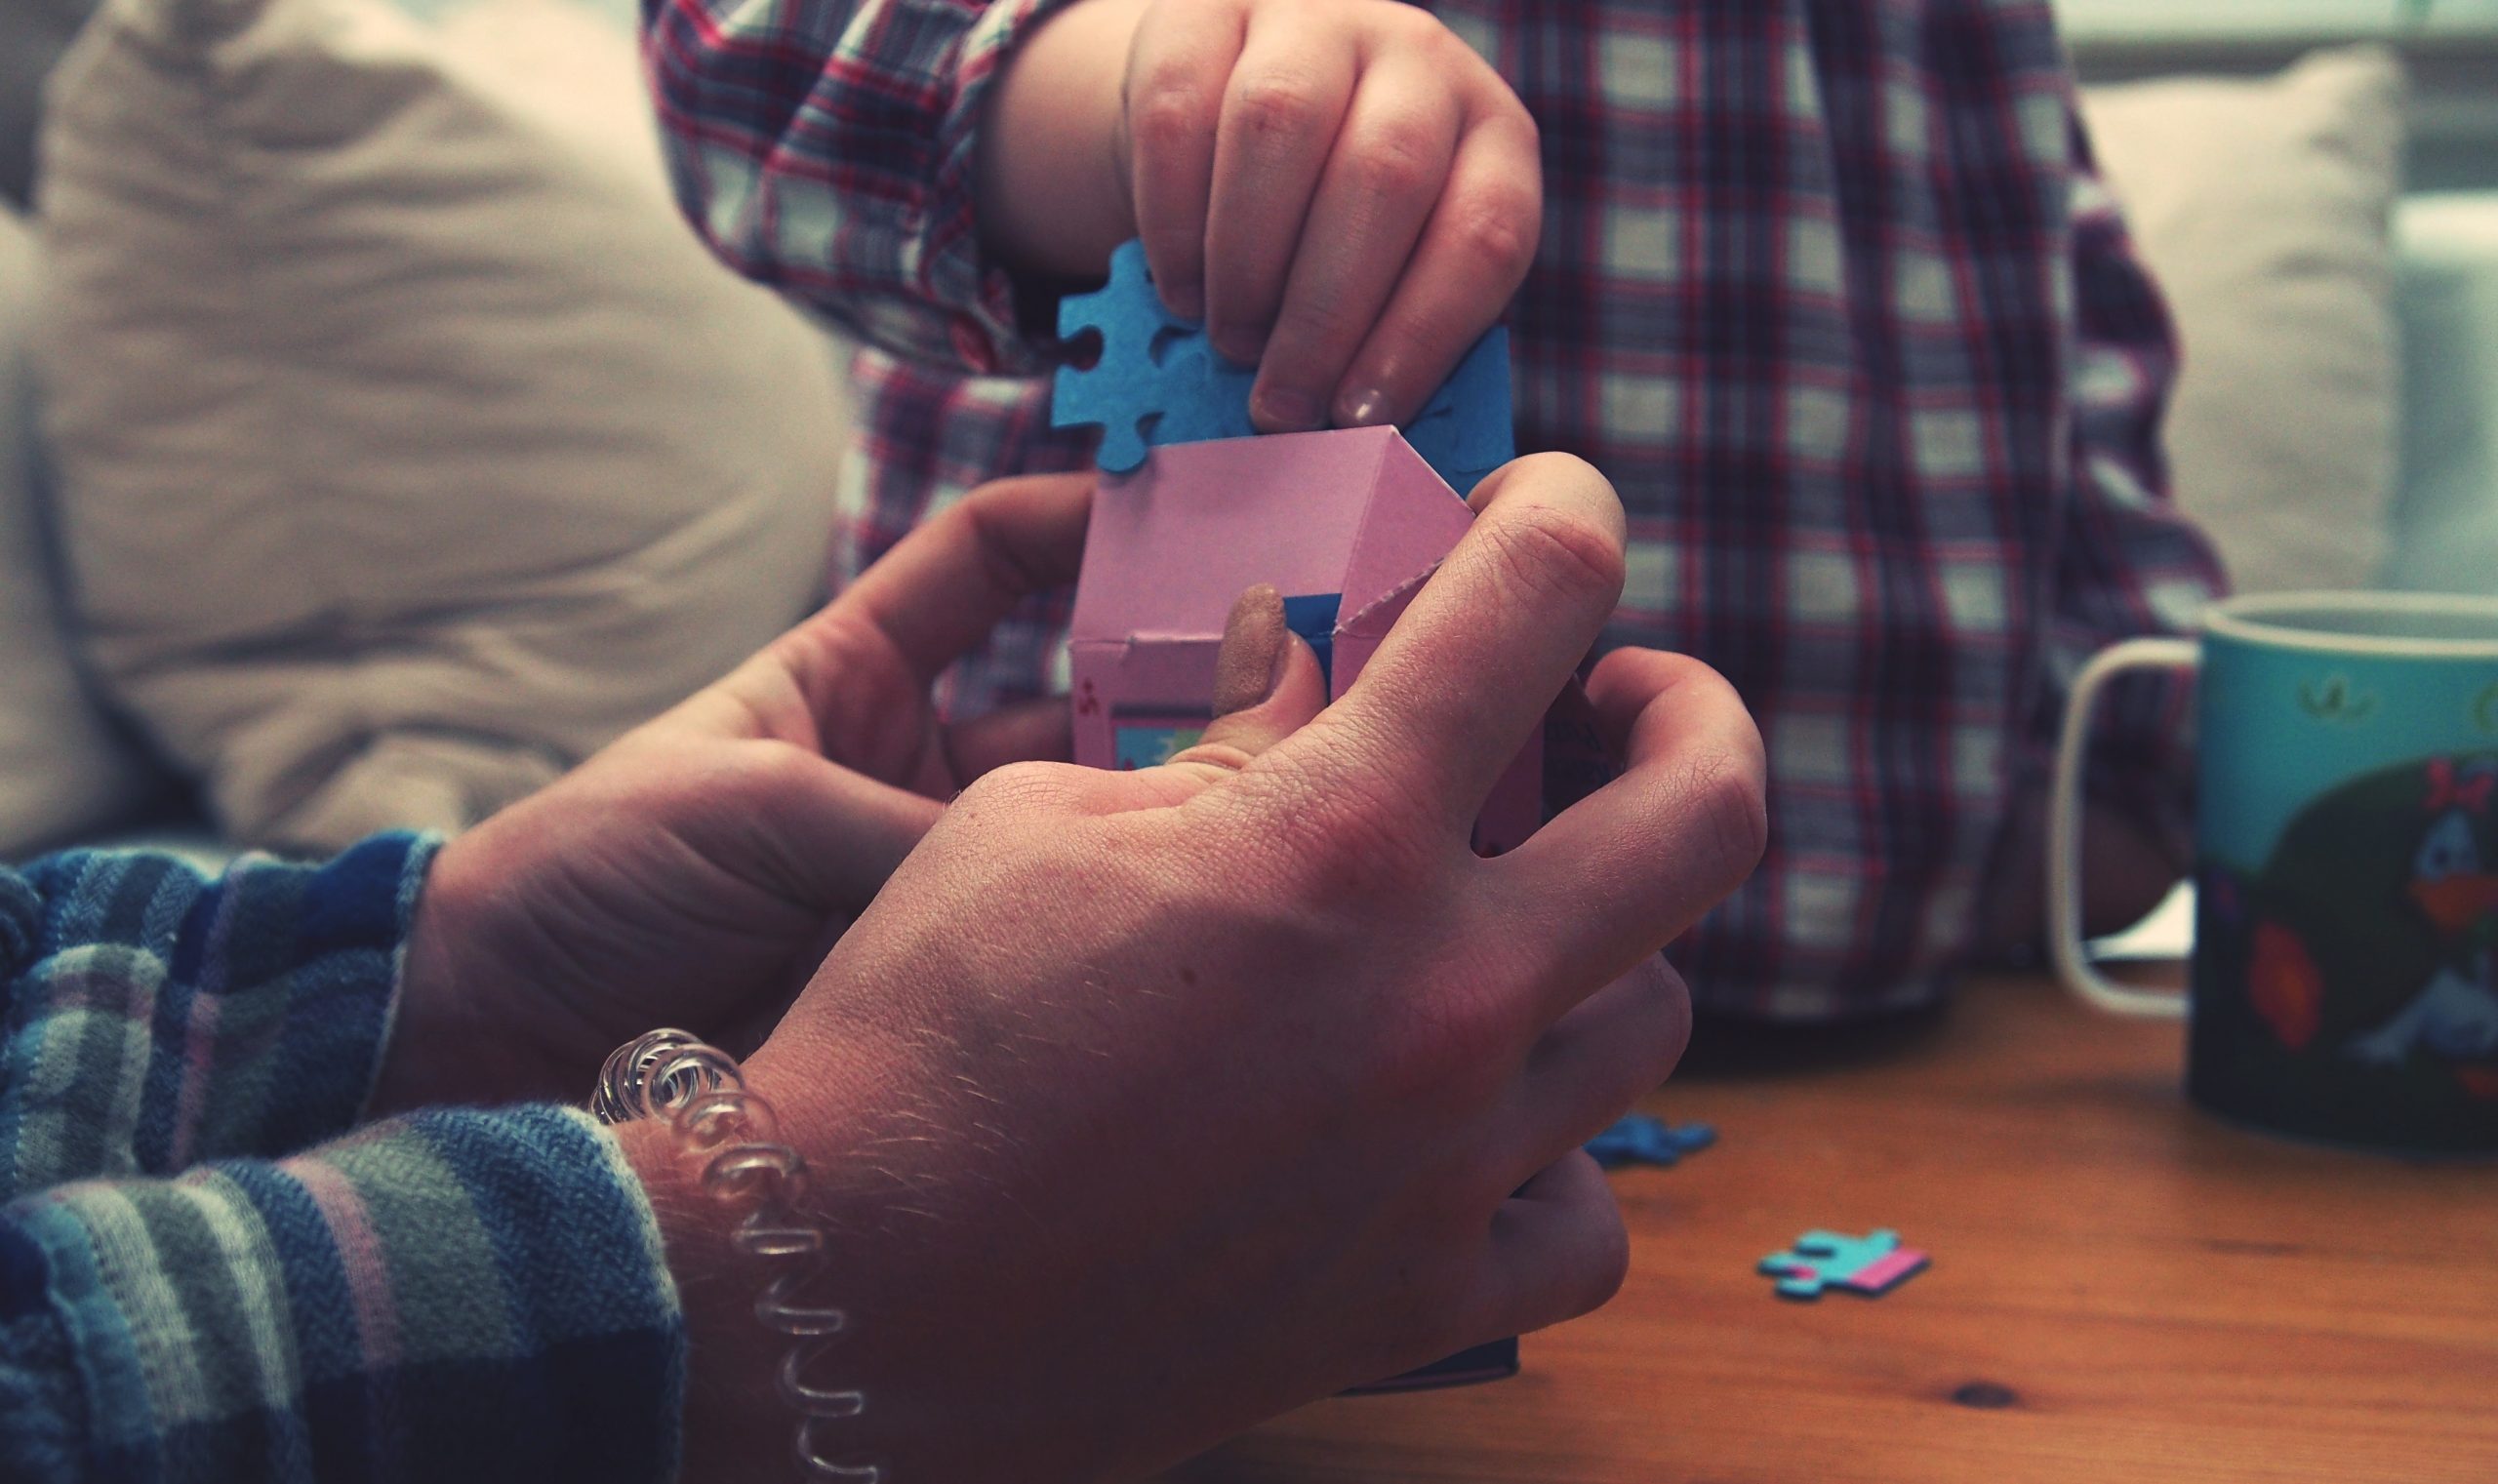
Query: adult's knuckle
[1727,803]
[1599,1271]
[1016,789]
[1450,1044]
[766,772]
[980,522]
[1554,556]
[1356,849]
[1453,1024]
[1667,1002]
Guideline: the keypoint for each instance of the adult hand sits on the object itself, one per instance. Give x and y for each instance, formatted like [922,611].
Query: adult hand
[694,872]
[1344,191]
[1144,1105]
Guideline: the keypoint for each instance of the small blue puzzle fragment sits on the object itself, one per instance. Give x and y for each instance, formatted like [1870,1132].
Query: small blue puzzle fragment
[1313,618]
[1642,1139]
[1158,381]
[1871,1264]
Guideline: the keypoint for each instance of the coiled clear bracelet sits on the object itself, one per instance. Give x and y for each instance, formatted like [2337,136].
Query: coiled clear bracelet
[697,1089]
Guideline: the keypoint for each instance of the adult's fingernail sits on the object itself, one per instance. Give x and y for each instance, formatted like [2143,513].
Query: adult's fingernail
[1363,409]
[1251,661]
[1290,411]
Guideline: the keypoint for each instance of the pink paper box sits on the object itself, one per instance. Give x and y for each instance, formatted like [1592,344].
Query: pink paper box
[1353,514]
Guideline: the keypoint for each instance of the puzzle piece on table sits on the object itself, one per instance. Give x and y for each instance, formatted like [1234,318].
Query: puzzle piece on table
[1871,1264]
[1642,1139]
[1157,382]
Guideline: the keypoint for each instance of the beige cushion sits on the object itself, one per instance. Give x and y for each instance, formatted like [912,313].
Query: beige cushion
[63,769]
[411,446]
[2263,207]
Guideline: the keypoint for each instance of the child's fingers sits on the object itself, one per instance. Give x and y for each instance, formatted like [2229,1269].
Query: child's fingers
[1176,69]
[1390,160]
[1473,255]
[1287,97]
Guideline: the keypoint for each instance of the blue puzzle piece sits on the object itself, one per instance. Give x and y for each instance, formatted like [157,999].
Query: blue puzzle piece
[1466,429]
[1313,618]
[1158,381]
[1870,1265]
[1152,368]
[1642,1139]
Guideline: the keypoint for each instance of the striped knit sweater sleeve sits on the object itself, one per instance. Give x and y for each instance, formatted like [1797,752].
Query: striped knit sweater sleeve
[193,1286]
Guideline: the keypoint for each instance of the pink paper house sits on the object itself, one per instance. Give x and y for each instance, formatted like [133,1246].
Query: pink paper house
[1347,524]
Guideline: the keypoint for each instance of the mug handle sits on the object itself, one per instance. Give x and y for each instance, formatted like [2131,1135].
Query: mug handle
[2064,827]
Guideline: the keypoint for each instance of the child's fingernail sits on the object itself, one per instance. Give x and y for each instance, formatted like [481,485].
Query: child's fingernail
[1186,301]
[1363,409]
[1281,407]
[1251,661]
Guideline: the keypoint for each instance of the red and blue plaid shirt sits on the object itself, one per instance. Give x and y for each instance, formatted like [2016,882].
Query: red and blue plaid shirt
[1827,288]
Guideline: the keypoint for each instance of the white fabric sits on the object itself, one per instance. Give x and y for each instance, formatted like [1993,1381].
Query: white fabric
[411,446]
[62,768]
[2262,207]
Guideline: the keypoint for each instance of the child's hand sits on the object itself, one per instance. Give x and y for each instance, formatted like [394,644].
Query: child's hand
[1341,188]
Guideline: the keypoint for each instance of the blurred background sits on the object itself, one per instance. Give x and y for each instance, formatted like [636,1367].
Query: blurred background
[2449,50]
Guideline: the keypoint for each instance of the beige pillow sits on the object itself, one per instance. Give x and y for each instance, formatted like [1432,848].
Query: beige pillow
[64,769]
[2263,208]
[410,445]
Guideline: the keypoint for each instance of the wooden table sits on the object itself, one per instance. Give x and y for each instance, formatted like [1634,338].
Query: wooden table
[2122,1289]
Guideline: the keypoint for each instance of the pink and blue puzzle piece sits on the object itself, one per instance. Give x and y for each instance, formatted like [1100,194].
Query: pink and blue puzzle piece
[1157,382]
[1871,1264]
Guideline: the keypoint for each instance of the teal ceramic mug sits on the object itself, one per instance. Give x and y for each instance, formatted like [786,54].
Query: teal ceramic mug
[2345,977]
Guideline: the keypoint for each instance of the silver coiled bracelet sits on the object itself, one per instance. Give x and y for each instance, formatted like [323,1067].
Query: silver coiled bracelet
[695,1089]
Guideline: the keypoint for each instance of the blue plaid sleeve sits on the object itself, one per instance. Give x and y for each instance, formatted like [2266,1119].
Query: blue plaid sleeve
[826,147]
[151,1017]
[458,1295]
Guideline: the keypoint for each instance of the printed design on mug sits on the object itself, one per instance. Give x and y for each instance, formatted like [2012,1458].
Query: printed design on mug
[2368,939]
[2284,985]
[2455,1013]
[2485,708]
[2335,699]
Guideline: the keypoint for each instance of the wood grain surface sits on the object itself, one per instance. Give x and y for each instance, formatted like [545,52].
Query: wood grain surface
[2122,1289]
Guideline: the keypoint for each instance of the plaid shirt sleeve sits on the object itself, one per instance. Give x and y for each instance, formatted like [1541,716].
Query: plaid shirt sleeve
[398,1303]
[2128,564]
[826,147]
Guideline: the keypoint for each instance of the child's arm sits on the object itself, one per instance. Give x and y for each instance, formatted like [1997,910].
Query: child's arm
[1348,190]
[825,147]
[1345,191]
